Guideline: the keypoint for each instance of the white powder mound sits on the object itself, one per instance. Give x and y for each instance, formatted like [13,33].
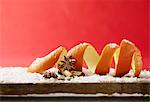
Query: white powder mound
[20,75]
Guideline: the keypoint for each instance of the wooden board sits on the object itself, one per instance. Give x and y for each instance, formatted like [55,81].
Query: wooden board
[78,88]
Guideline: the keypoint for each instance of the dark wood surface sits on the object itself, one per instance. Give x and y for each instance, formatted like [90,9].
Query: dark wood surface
[75,99]
[78,88]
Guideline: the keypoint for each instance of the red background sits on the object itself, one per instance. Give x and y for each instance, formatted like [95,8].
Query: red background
[33,28]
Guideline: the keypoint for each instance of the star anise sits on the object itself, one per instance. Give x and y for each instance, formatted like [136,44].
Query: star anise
[67,67]
[49,75]
[67,64]
[77,73]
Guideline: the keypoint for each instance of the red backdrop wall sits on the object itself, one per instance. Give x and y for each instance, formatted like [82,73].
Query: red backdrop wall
[33,28]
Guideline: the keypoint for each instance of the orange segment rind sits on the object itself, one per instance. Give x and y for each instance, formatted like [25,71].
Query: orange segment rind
[126,52]
[106,58]
[77,53]
[126,55]
[137,62]
[46,62]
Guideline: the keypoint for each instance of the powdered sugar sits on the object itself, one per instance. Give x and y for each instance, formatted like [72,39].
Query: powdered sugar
[20,75]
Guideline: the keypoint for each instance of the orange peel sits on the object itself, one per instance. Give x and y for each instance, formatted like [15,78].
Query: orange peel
[77,53]
[137,62]
[46,62]
[123,62]
[126,55]
[106,58]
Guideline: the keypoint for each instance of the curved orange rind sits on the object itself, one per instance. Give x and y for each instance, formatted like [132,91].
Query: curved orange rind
[123,64]
[44,63]
[77,53]
[106,58]
[126,55]
[137,62]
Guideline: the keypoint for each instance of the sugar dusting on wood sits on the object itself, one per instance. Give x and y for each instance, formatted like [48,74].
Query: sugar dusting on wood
[20,75]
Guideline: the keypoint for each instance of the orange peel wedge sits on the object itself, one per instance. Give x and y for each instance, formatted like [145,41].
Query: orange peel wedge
[137,62]
[77,53]
[91,58]
[123,62]
[46,62]
[126,55]
[106,58]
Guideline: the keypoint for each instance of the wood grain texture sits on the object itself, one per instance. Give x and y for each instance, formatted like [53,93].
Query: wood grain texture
[78,88]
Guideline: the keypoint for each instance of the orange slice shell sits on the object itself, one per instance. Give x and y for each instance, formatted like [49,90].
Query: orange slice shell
[44,63]
[106,58]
